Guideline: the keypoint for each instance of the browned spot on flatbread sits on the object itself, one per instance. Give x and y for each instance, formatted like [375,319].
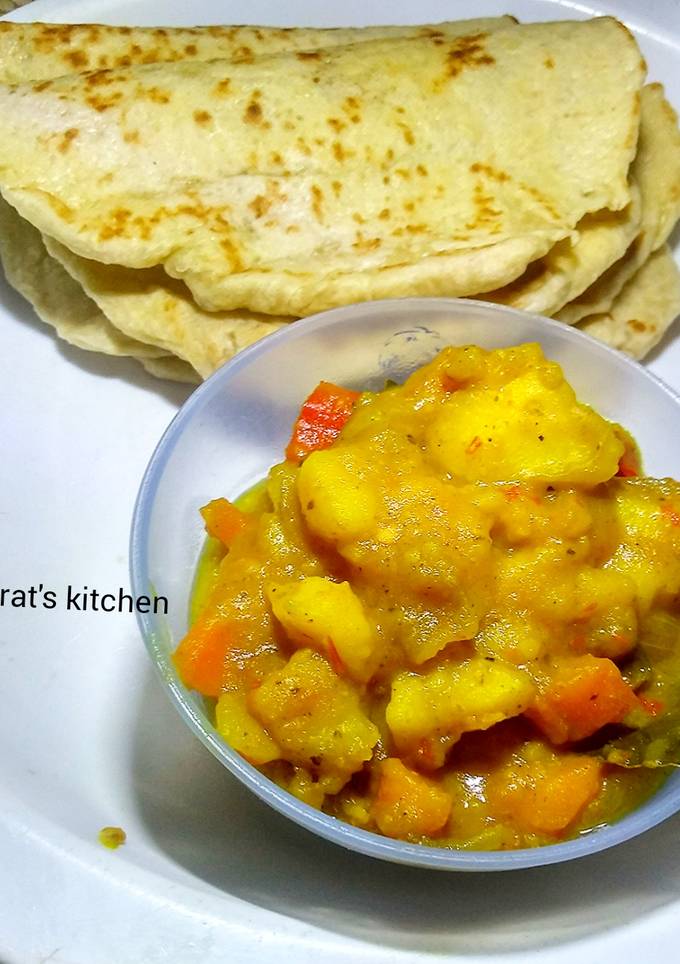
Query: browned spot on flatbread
[407,133]
[131,137]
[363,244]
[66,139]
[336,124]
[60,208]
[43,85]
[494,173]
[260,205]
[384,214]
[338,152]
[549,63]
[222,87]
[638,326]
[191,50]
[485,213]
[203,118]
[77,59]
[421,169]
[464,53]
[100,78]
[117,225]
[253,113]
[337,188]
[233,254]
[104,102]
[317,202]
[308,55]
[244,54]
[157,96]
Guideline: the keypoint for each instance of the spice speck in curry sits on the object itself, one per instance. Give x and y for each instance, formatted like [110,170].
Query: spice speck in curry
[452,614]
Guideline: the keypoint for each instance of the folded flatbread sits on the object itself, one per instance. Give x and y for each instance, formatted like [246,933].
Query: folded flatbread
[656,170]
[41,51]
[392,182]
[644,309]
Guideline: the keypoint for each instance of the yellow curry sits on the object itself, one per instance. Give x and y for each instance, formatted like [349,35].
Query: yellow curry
[452,614]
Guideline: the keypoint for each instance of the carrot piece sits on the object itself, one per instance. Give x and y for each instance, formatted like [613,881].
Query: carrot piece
[407,804]
[223,520]
[546,795]
[200,658]
[321,419]
[584,694]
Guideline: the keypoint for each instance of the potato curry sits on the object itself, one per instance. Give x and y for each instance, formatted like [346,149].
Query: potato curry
[451,615]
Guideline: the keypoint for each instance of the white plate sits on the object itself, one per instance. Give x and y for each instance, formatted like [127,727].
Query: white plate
[87,738]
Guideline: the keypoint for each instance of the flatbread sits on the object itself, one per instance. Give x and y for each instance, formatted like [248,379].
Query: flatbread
[147,304]
[572,265]
[644,310]
[406,192]
[656,170]
[173,369]
[42,51]
[57,298]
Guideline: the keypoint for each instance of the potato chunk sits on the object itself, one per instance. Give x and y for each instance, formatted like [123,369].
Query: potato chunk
[241,730]
[648,514]
[408,804]
[533,427]
[338,501]
[329,617]
[427,713]
[315,717]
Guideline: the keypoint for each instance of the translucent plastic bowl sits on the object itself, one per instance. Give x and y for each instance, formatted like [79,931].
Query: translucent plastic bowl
[234,428]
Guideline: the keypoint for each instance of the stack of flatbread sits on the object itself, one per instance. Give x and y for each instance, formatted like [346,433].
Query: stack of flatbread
[176,194]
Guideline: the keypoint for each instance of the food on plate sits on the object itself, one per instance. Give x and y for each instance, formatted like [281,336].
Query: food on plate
[112,837]
[451,615]
[179,164]
[656,170]
[203,186]
[61,302]
[42,51]
[643,309]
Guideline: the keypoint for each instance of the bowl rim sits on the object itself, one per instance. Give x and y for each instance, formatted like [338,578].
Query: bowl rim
[331,828]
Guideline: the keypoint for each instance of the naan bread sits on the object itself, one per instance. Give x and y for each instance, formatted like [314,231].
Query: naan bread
[656,170]
[41,51]
[391,183]
[147,304]
[60,301]
[644,310]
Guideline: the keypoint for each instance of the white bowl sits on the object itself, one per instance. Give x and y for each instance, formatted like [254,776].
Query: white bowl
[235,427]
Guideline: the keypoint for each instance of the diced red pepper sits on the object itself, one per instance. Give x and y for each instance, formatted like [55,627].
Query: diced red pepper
[629,463]
[223,520]
[321,419]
